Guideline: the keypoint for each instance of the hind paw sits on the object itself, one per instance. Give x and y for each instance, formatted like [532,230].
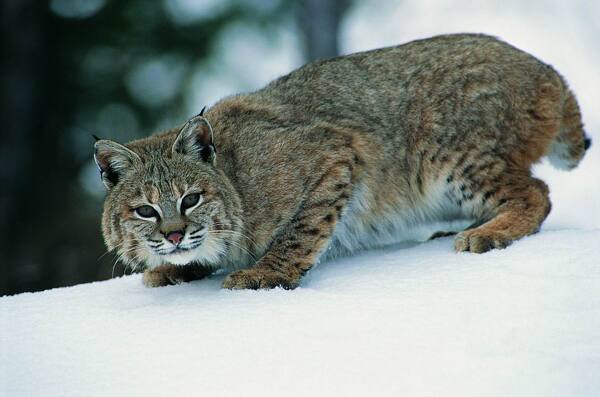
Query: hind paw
[479,241]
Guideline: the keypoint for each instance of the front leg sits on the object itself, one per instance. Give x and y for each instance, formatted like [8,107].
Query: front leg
[299,245]
[172,275]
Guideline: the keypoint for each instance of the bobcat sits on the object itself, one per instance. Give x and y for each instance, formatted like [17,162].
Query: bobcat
[344,154]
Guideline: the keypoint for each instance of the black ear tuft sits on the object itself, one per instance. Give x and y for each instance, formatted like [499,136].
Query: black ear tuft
[196,140]
[95,137]
[113,160]
[587,142]
[202,111]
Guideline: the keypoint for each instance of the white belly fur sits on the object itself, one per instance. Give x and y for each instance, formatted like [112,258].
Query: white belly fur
[359,229]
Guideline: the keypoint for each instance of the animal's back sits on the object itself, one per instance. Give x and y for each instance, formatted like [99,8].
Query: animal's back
[410,89]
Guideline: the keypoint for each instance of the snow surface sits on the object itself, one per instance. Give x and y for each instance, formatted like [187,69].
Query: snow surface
[412,319]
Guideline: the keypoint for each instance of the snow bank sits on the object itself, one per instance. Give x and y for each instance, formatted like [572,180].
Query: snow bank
[406,320]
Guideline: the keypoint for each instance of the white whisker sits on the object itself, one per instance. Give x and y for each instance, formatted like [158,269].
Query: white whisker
[223,233]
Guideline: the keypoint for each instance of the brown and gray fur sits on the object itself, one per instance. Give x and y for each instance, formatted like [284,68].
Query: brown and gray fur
[346,154]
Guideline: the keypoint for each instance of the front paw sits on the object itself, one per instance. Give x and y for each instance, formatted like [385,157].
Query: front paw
[160,277]
[258,278]
[173,275]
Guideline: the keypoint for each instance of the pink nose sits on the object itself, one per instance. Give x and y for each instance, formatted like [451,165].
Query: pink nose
[175,237]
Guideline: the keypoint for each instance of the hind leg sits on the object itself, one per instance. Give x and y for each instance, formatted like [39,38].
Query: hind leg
[515,206]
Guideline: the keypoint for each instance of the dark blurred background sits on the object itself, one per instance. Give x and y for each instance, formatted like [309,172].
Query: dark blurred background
[120,70]
[125,69]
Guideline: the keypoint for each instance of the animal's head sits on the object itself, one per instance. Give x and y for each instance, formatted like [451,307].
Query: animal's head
[166,201]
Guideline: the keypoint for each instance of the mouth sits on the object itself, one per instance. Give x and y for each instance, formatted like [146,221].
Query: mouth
[178,249]
[181,255]
[197,248]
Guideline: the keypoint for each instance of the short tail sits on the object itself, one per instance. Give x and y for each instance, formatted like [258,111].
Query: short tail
[571,142]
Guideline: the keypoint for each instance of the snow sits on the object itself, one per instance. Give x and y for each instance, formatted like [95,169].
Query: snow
[412,319]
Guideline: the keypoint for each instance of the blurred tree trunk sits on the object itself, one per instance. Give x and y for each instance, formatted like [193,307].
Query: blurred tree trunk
[40,226]
[22,41]
[319,22]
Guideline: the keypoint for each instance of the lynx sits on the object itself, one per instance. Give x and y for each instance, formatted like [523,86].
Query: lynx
[342,155]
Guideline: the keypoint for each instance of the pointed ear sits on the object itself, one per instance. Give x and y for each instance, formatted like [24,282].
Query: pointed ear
[196,140]
[113,160]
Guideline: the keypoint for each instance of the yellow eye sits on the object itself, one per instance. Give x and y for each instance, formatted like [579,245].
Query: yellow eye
[146,211]
[189,201]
